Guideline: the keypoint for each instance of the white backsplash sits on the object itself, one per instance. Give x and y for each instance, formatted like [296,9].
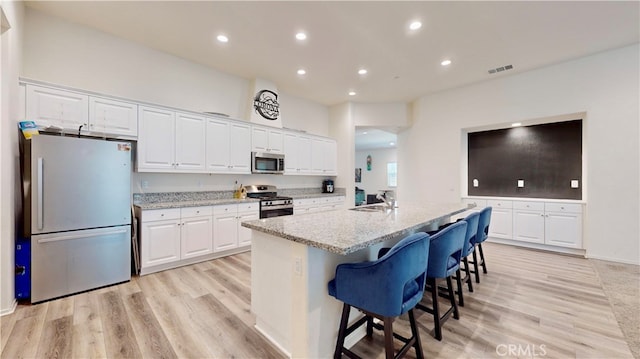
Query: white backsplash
[187,182]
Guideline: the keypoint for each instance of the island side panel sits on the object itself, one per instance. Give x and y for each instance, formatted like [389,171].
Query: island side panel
[271,288]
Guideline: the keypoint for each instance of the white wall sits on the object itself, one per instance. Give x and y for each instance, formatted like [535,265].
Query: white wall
[605,86]
[376,179]
[342,128]
[10,61]
[61,52]
[394,115]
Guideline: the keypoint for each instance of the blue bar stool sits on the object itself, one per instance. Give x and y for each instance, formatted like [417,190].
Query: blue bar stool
[384,289]
[481,236]
[444,260]
[468,248]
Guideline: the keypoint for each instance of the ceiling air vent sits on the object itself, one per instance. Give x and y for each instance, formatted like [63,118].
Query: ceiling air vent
[500,69]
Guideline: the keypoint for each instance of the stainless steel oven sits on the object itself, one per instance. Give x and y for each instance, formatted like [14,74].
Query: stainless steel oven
[271,205]
[262,162]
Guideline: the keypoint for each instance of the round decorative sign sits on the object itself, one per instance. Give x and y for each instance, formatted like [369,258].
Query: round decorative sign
[266,104]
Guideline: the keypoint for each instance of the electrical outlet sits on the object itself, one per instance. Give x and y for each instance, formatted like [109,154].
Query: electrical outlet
[145,184]
[520,183]
[575,184]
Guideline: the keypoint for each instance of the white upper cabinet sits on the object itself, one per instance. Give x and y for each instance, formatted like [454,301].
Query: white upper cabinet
[240,156]
[297,153]
[264,139]
[113,117]
[228,147]
[69,110]
[170,142]
[156,139]
[323,156]
[59,108]
[190,143]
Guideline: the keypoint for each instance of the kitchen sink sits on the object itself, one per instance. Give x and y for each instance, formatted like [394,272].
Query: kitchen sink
[373,208]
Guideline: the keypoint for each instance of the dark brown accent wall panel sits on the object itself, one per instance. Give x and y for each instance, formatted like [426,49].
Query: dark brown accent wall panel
[547,157]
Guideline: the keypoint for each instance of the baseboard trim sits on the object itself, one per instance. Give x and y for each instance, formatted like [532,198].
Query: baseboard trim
[609,259]
[540,247]
[10,310]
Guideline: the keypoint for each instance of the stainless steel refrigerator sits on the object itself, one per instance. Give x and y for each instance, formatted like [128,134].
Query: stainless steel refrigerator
[76,208]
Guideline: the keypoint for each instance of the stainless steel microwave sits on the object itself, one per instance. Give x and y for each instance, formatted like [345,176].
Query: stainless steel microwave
[262,162]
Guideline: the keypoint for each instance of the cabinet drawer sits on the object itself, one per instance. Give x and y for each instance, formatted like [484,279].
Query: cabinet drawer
[563,207]
[248,207]
[499,204]
[197,211]
[529,206]
[227,208]
[160,214]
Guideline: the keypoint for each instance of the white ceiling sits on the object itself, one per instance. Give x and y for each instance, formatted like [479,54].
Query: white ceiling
[374,138]
[345,36]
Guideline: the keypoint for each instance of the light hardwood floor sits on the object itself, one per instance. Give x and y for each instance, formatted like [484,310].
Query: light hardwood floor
[530,304]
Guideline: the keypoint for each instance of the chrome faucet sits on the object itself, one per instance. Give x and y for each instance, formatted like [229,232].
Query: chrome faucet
[388,198]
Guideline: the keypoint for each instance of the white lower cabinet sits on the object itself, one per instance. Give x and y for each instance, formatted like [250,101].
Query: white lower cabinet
[196,232]
[528,222]
[563,225]
[159,237]
[555,223]
[318,204]
[227,230]
[178,236]
[501,219]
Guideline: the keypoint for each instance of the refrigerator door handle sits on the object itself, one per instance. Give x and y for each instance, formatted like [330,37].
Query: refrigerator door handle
[80,236]
[40,194]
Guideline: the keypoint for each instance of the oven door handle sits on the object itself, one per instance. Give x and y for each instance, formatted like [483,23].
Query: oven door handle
[276,208]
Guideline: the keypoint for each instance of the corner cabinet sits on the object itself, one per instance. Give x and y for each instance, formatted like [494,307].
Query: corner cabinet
[545,224]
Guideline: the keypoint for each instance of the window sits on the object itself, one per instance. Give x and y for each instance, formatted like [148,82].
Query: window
[392,174]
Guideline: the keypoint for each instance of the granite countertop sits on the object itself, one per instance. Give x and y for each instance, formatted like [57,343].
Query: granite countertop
[163,200]
[346,231]
[193,203]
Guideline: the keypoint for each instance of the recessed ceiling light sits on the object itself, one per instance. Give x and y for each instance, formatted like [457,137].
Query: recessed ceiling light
[352,93]
[391,143]
[364,133]
[302,71]
[516,124]
[362,71]
[222,38]
[301,36]
[445,63]
[415,25]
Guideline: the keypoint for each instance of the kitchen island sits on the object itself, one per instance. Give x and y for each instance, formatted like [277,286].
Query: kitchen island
[294,257]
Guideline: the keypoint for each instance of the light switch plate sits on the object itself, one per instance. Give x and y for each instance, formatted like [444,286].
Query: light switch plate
[520,183]
[575,184]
